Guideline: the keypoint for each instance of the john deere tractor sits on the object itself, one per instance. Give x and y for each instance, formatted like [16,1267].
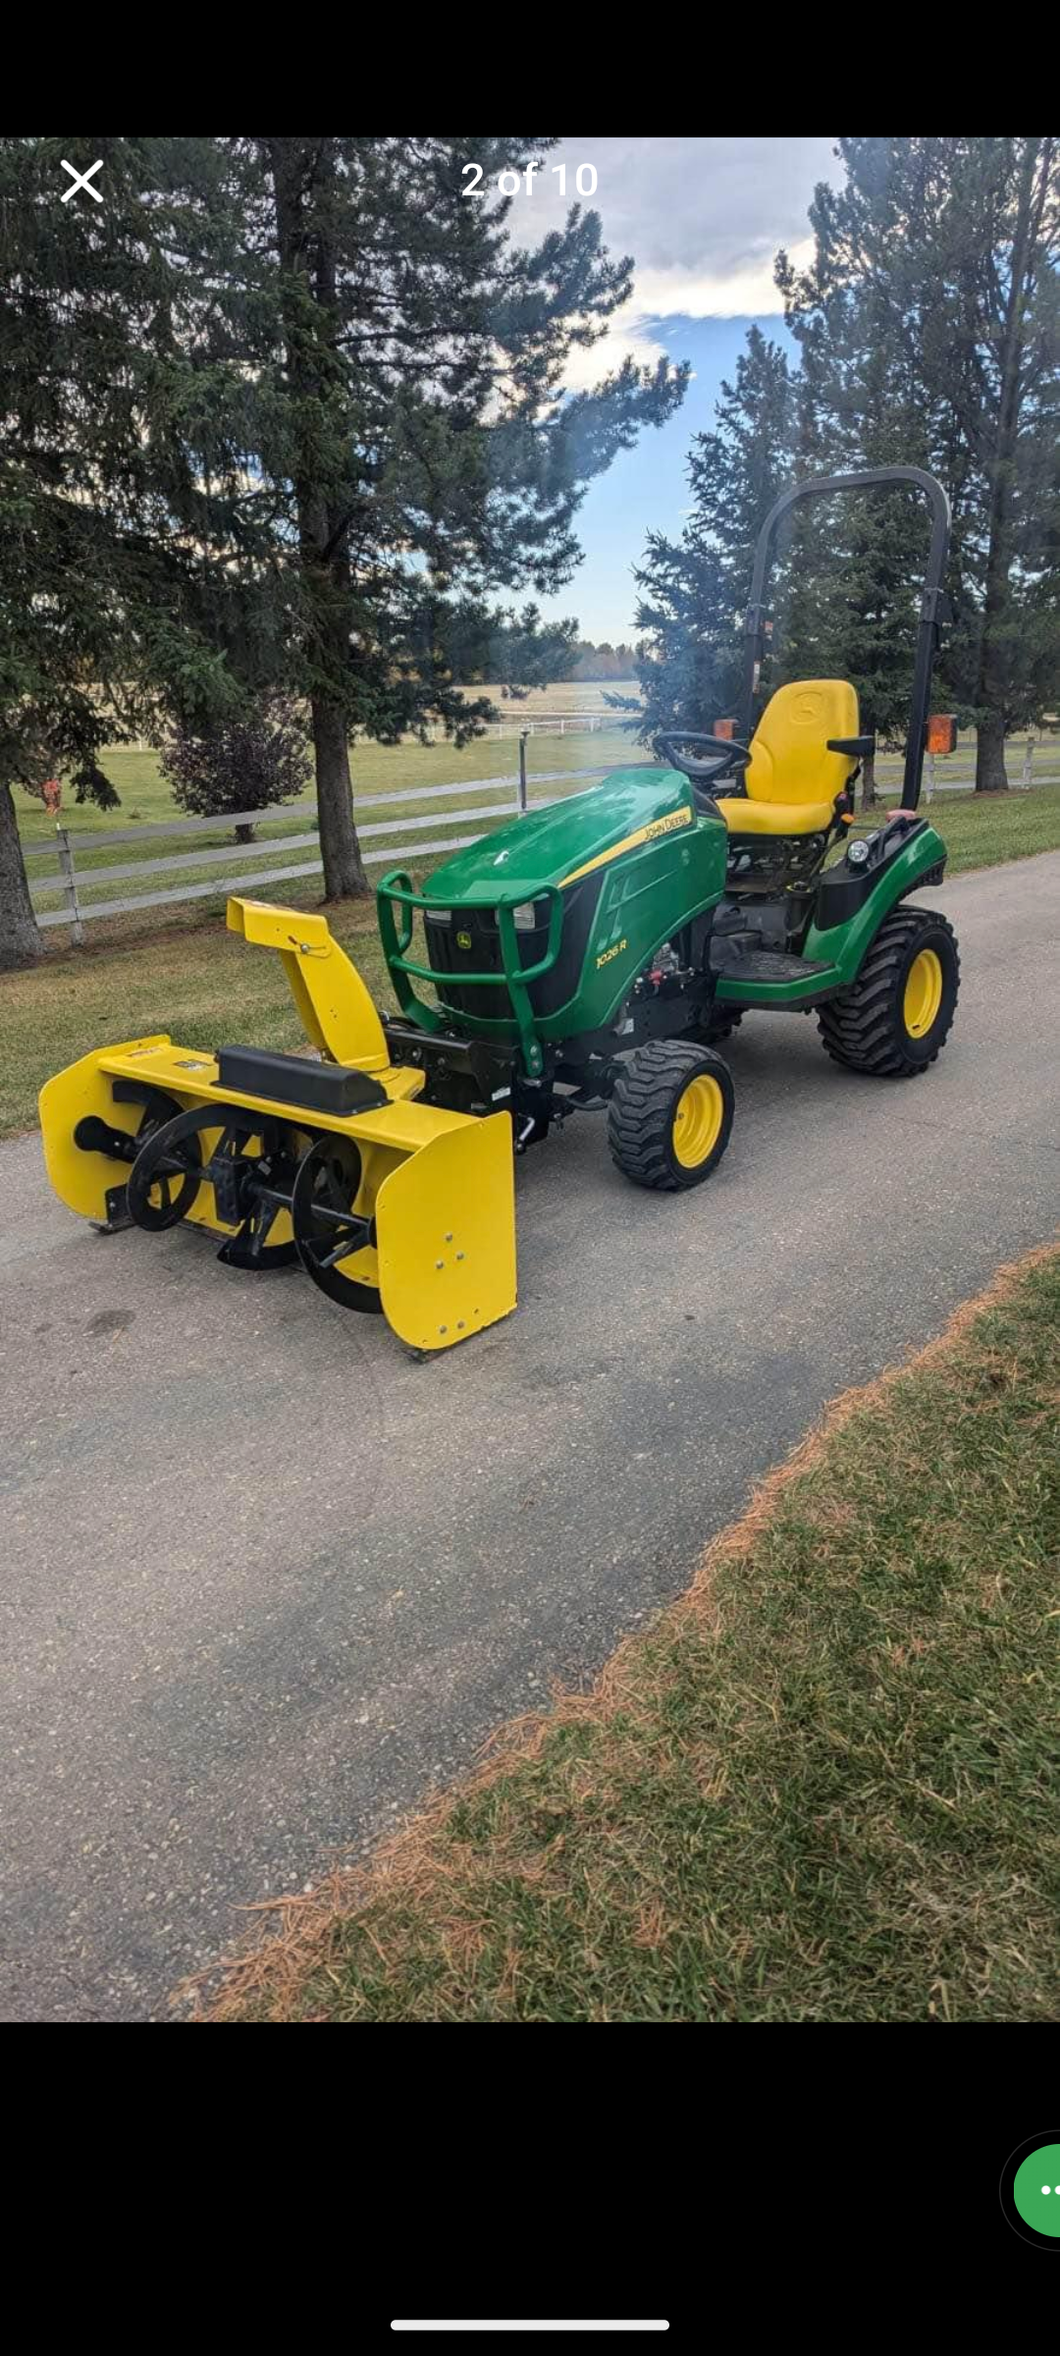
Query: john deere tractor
[592,953]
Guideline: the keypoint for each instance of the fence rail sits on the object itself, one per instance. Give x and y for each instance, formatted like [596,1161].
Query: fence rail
[78,884]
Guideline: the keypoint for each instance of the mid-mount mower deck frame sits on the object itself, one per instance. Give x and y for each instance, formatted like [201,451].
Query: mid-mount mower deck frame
[592,952]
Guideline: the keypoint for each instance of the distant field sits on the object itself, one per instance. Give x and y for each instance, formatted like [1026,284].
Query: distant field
[375,768]
[586,697]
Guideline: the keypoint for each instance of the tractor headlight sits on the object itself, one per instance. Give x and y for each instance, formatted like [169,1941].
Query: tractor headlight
[526,916]
[437,915]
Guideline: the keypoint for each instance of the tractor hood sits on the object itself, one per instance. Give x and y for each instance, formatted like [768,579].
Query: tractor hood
[553,845]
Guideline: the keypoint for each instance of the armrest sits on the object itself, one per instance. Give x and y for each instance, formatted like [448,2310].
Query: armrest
[858,747]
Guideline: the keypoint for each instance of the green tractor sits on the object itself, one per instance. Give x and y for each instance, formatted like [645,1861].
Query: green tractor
[591,953]
[596,951]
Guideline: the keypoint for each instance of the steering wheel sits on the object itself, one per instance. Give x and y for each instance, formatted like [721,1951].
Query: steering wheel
[729,759]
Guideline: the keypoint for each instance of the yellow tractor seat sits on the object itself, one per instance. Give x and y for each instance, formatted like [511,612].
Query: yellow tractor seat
[793,780]
[776,817]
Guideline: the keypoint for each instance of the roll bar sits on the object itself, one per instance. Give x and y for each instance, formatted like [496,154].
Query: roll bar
[931,604]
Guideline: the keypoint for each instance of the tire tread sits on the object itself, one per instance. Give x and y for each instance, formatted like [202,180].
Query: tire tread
[639,1113]
[859,1026]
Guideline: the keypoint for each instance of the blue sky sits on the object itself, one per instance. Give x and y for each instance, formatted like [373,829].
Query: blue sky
[703,220]
[646,488]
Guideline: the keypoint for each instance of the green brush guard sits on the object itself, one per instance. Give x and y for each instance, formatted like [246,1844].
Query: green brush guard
[661,863]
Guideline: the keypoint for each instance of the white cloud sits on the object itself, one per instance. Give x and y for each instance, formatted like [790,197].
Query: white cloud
[702,218]
[688,294]
[749,291]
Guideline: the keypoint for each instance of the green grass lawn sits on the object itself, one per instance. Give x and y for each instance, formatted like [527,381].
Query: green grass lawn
[189,977]
[985,830]
[178,970]
[822,1787]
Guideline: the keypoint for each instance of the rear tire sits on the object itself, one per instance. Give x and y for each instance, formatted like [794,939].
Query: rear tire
[670,1116]
[897,1015]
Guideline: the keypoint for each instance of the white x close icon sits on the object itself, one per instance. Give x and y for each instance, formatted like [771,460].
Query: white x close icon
[81,180]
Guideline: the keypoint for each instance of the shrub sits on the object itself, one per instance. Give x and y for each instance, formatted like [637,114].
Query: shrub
[245,763]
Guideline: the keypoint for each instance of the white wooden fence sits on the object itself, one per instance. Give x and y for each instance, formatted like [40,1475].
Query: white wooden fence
[543,724]
[78,880]
[961,781]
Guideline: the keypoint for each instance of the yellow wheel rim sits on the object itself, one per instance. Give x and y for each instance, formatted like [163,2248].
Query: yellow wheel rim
[697,1121]
[923,993]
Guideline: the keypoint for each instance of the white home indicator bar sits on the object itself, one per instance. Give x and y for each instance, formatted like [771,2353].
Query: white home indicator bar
[481,2326]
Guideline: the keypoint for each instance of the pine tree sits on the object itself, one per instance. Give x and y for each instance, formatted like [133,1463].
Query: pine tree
[929,326]
[280,416]
[118,598]
[410,428]
[693,590]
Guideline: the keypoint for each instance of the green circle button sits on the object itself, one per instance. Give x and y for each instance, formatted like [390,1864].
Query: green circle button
[1036,2189]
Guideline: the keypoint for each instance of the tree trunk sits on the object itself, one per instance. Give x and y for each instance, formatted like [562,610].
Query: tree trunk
[344,875]
[303,174]
[20,941]
[1012,329]
[868,782]
[991,775]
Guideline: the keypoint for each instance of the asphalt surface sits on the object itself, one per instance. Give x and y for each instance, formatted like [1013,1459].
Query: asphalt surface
[267,1579]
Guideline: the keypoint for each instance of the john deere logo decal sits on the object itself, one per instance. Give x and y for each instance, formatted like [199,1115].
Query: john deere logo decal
[666,825]
[463,940]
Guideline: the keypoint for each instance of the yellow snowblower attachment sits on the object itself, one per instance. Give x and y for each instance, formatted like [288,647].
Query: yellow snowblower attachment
[388,1204]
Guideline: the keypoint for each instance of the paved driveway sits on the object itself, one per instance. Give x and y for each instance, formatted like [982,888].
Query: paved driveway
[266,1577]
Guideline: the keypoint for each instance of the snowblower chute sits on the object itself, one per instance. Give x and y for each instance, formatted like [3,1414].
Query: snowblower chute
[387,1203]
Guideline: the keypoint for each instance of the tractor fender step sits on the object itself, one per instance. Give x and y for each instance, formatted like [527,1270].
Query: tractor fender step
[762,965]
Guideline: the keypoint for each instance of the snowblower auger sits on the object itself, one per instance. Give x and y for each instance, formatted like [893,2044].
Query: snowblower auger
[387,1203]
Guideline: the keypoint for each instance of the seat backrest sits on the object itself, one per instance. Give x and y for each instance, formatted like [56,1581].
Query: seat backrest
[790,760]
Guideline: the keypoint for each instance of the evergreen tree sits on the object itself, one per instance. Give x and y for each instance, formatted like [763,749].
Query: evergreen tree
[277,416]
[119,598]
[929,326]
[415,447]
[693,590]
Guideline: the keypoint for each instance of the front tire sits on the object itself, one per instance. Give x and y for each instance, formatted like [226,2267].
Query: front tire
[671,1114]
[897,1015]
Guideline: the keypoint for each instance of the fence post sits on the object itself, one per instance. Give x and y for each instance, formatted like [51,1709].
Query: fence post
[68,873]
[930,786]
[1028,757]
[522,772]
